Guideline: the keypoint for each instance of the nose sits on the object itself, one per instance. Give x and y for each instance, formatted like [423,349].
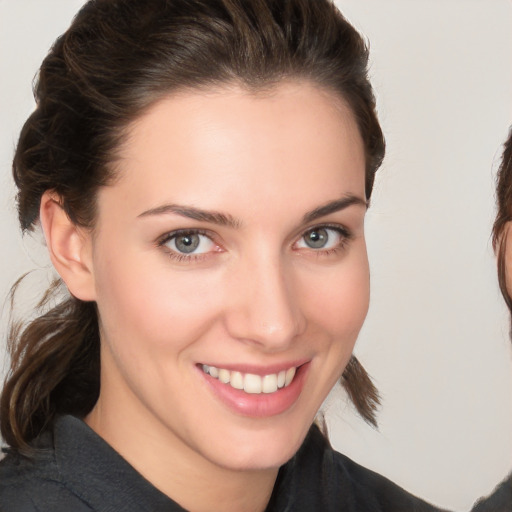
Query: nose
[264,305]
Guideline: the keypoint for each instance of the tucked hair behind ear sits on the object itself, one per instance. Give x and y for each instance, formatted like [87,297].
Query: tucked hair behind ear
[116,60]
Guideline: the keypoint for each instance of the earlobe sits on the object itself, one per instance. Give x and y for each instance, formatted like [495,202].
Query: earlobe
[69,246]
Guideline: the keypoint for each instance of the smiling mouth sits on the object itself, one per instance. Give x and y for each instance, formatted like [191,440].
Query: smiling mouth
[251,383]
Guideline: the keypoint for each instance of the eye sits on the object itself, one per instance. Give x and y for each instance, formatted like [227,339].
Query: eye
[323,238]
[188,243]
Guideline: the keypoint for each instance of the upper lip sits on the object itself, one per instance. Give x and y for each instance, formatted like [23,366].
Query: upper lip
[259,369]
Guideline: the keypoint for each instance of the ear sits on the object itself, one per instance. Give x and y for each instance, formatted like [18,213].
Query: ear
[70,247]
[504,255]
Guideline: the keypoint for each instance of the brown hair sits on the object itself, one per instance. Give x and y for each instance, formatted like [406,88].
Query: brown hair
[117,59]
[503,216]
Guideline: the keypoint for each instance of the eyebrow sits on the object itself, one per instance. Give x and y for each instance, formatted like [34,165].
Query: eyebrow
[191,212]
[224,219]
[334,206]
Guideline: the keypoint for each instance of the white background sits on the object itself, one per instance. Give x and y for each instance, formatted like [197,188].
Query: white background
[436,338]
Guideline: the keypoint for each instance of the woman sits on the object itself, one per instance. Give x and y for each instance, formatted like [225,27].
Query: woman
[201,171]
[501,499]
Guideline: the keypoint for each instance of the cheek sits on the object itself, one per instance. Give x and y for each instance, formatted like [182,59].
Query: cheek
[147,308]
[339,302]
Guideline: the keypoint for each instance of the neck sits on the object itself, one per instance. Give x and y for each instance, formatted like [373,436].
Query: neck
[195,483]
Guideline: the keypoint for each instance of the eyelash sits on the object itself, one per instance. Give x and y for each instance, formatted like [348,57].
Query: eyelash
[345,235]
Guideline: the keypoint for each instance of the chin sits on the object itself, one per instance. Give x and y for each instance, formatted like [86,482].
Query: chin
[259,449]
[255,460]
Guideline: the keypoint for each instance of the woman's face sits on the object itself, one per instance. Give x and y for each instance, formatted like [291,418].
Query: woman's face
[231,254]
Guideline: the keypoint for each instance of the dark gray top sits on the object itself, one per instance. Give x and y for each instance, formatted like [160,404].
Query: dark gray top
[76,471]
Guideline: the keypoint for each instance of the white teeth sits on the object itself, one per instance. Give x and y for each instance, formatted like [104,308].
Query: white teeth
[290,373]
[269,383]
[224,375]
[251,383]
[281,378]
[237,380]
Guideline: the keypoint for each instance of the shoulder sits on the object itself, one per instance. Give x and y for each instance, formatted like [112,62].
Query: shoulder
[499,501]
[14,492]
[375,490]
[338,483]
[33,484]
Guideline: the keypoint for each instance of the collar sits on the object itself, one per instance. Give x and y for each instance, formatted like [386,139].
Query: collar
[98,475]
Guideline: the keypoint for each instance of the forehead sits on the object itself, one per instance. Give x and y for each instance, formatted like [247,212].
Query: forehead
[205,147]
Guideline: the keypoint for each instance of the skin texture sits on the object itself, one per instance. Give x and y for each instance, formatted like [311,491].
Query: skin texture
[254,296]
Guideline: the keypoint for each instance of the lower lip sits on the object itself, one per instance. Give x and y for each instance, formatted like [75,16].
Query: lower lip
[260,405]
